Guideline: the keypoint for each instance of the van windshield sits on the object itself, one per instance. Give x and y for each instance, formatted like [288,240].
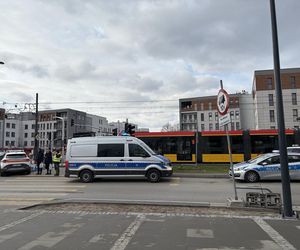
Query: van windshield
[147,148]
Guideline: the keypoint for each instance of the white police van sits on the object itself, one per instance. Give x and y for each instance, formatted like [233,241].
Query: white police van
[90,157]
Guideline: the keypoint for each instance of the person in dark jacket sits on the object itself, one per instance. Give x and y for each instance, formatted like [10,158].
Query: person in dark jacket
[39,160]
[48,161]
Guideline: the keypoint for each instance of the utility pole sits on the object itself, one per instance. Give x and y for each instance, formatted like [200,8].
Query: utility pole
[285,175]
[36,132]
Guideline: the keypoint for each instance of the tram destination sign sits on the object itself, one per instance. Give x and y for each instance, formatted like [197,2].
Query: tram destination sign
[222,102]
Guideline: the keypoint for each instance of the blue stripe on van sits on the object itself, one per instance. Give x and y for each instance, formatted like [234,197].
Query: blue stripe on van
[117,165]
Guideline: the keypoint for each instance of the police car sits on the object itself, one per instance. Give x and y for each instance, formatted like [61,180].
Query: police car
[15,162]
[90,157]
[266,167]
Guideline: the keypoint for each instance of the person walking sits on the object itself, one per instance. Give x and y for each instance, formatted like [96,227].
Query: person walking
[48,161]
[56,161]
[39,160]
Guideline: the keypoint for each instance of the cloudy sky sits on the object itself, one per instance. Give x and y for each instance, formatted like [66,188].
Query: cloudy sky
[135,59]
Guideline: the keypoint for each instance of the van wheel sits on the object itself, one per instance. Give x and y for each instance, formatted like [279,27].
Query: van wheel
[86,176]
[153,175]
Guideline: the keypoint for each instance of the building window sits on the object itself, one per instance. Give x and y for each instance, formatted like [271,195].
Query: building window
[13,134]
[32,135]
[209,106]
[237,125]
[13,125]
[202,117]
[295,114]
[217,126]
[232,125]
[216,116]
[7,125]
[32,143]
[12,143]
[294,98]
[269,83]
[231,115]
[210,127]
[47,126]
[210,116]
[237,115]
[25,143]
[6,143]
[201,106]
[202,127]
[50,125]
[272,116]
[272,127]
[7,134]
[271,100]
[25,135]
[26,126]
[293,82]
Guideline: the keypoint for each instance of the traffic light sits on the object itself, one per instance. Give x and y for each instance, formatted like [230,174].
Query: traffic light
[131,129]
[72,122]
[126,127]
[115,131]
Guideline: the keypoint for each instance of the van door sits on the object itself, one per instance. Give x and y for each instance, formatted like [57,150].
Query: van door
[138,159]
[111,159]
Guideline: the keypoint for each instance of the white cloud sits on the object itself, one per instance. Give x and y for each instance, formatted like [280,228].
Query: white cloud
[71,50]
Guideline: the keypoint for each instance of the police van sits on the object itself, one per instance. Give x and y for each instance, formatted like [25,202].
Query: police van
[91,157]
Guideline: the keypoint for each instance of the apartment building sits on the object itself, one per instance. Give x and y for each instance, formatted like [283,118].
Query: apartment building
[264,98]
[98,124]
[201,114]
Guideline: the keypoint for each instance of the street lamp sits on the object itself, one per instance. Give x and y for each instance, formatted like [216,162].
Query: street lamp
[62,134]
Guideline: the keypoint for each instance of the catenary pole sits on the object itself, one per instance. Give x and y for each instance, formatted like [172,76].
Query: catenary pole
[36,141]
[285,176]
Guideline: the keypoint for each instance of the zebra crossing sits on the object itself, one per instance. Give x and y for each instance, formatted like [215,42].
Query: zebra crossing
[18,191]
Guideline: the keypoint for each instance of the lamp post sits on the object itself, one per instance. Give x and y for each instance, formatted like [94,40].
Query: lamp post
[62,134]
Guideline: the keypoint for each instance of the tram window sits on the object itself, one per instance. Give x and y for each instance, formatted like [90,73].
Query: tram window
[263,144]
[215,145]
[237,146]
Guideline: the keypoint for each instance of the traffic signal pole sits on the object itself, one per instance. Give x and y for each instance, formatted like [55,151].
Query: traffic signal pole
[285,176]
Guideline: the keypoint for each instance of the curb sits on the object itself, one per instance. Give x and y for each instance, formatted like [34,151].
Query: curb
[200,175]
[150,203]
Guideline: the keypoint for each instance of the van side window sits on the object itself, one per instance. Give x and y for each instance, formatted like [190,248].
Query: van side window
[110,150]
[136,150]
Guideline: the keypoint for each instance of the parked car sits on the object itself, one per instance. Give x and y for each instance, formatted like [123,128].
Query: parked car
[15,162]
[266,167]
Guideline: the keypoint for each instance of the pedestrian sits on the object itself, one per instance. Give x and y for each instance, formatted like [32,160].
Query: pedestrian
[48,161]
[39,160]
[56,161]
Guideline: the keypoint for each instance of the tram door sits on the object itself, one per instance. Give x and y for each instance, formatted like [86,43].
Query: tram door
[184,149]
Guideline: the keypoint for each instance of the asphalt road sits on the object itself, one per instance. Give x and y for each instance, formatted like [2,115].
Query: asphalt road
[117,231]
[27,190]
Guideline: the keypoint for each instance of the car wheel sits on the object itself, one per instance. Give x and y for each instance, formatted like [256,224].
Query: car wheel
[251,176]
[86,176]
[2,174]
[153,175]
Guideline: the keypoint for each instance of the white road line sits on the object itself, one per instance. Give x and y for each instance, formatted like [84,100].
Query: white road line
[50,239]
[8,236]
[96,238]
[17,222]
[125,238]
[281,242]
[298,227]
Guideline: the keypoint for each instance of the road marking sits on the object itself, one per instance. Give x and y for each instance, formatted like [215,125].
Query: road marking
[41,189]
[17,222]
[125,238]
[175,181]
[298,227]
[199,233]
[25,199]
[275,236]
[44,186]
[50,239]
[96,238]
[8,236]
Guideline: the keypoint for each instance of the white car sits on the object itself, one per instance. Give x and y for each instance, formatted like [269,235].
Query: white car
[15,162]
[266,167]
